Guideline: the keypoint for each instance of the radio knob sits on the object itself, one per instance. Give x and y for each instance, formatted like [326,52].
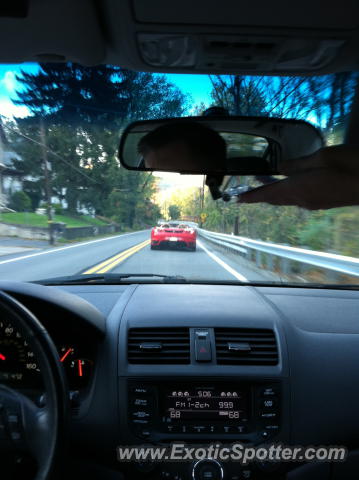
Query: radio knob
[207,470]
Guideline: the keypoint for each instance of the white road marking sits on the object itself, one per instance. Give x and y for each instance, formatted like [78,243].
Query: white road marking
[11,250]
[65,248]
[223,264]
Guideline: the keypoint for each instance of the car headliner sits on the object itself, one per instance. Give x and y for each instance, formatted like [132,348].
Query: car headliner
[205,36]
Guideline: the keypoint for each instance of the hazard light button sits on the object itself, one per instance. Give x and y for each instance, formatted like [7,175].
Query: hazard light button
[203,347]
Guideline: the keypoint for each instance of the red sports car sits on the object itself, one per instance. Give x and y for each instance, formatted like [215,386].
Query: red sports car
[173,234]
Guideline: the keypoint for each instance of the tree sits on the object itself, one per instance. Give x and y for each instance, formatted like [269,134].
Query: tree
[84,110]
[74,94]
[239,94]
[104,95]
[198,109]
[20,202]
[324,100]
[174,212]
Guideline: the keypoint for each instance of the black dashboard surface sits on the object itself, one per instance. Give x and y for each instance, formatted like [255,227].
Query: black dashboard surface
[316,310]
[317,332]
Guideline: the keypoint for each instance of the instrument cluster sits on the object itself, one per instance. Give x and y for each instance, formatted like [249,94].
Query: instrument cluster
[19,366]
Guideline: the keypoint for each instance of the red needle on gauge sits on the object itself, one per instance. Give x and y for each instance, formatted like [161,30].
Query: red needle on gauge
[66,354]
[80,367]
[2,357]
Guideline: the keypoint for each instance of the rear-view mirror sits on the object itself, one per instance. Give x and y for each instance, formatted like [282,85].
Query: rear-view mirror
[217,145]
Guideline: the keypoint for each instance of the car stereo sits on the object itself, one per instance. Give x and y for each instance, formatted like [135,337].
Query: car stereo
[170,410]
[197,403]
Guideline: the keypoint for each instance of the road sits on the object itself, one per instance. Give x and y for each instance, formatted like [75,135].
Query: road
[126,253]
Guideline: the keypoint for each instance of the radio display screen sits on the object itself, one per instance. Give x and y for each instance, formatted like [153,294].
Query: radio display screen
[211,403]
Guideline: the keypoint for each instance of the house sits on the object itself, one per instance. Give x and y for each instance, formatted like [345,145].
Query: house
[11,179]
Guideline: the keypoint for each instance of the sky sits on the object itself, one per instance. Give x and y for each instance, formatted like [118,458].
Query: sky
[197,86]
[8,86]
[168,181]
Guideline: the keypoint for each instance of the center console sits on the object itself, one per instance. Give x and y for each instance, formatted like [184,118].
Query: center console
[200,375]
[204,412]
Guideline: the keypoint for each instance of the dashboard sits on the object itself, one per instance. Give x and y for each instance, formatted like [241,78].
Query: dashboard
[156,364]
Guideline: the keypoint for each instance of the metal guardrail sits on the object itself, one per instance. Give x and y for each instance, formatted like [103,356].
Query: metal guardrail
[267,253]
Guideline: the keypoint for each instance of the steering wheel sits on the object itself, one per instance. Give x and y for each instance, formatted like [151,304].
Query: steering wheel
[25,427]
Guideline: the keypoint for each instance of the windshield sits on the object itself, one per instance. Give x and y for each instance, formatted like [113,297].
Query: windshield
[69,208]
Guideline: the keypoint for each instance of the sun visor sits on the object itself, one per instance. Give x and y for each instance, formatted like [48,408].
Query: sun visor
[50,31]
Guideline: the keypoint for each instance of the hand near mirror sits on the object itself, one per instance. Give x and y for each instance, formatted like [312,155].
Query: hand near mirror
[327,179]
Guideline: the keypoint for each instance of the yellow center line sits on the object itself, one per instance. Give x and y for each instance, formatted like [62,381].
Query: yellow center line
[119,260]
[116,259]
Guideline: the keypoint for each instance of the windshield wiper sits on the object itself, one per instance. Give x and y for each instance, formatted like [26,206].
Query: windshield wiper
[108,278]
[117,278]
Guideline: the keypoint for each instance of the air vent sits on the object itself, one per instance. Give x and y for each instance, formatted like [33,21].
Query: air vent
[242,346]
[159,346]
[75,412]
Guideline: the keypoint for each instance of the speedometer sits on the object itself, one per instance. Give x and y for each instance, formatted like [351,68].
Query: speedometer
[18,363]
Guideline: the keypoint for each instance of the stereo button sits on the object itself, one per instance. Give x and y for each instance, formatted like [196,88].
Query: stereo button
[269,402]
[271,415]
[207,469]
[172,428]
[241,428]
[229,429]
[269,391]
[272,427]
[141,390]
[198,429]
[141,414]
[140,402]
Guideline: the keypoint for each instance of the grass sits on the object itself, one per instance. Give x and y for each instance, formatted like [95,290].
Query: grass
[35,220]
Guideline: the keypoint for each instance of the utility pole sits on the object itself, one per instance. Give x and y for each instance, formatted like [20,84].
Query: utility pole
[236,218]
[201,194]
[50,219]
[236,225]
